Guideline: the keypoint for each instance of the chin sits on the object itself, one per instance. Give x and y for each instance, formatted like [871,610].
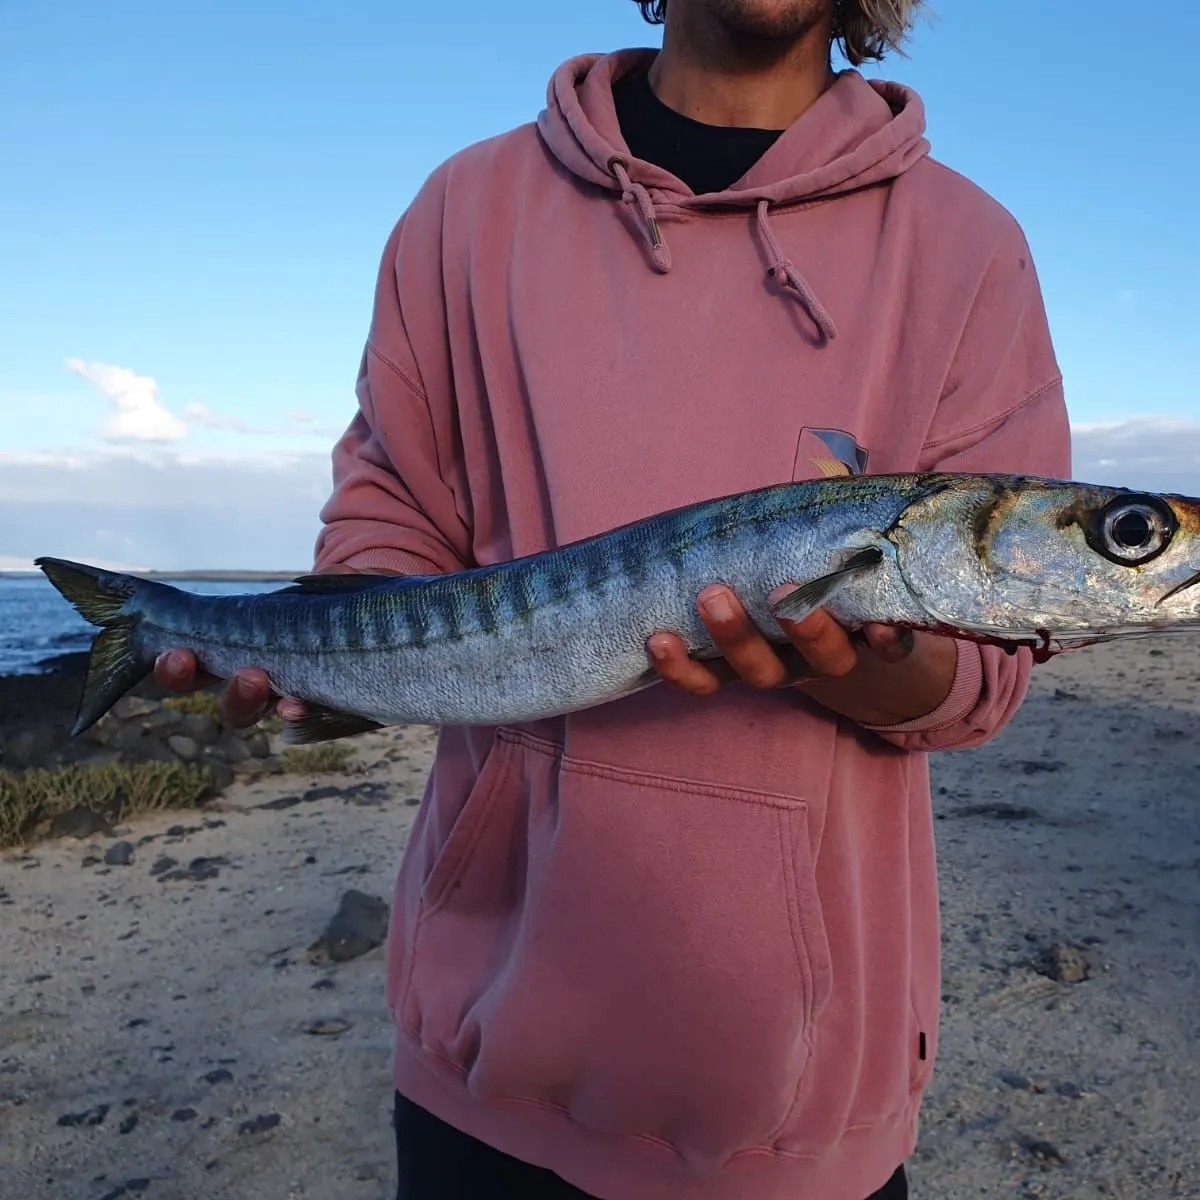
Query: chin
[769,19]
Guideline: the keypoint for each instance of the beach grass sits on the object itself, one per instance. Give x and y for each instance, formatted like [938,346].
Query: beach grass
[119,790]
[315,760]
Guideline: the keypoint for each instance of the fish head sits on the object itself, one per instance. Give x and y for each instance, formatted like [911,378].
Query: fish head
[1018,558]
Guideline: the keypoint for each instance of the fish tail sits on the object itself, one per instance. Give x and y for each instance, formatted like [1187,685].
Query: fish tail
[115,663]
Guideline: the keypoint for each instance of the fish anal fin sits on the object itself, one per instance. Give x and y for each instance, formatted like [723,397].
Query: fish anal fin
[320,724]
[804,600]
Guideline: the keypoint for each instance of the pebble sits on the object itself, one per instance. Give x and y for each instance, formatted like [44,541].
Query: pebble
[259,1124]
[93,1116]
[119,854]
[359,925]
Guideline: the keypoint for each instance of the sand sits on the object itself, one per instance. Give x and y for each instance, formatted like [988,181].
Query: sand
[179,1029]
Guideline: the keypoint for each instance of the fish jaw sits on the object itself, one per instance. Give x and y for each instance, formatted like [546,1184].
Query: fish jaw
[1016,559]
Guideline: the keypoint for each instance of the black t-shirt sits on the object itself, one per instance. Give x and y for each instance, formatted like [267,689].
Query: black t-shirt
[708,158]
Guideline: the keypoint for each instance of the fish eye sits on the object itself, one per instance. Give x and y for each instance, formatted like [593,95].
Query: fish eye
[1134,530]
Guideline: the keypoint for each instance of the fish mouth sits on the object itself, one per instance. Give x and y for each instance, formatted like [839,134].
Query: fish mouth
[1178,589]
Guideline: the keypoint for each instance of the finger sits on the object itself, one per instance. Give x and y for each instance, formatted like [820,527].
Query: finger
[739,640]
[291,709]
[891,643]
[178,671]
[826,646]
[676,666]
[246,699]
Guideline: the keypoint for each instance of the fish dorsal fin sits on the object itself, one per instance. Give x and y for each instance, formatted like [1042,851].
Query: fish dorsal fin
[808,597]
[320,724]
[337,583]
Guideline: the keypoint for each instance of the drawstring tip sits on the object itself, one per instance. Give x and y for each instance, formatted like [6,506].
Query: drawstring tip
[662,257]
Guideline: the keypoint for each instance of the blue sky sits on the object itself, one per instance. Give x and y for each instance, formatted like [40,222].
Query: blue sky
[197,196]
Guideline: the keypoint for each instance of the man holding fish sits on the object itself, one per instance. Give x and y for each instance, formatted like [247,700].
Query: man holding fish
[685,944]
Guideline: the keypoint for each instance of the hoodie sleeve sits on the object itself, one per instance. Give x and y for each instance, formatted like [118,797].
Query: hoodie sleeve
[1002,411]
[394,507]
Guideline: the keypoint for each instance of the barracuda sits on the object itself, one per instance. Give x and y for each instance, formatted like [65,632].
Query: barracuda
[1003,559]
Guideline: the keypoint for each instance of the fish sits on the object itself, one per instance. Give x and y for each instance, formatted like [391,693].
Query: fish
[1011,560]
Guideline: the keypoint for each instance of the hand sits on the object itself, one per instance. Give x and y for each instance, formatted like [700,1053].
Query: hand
[882,675]
[247,698]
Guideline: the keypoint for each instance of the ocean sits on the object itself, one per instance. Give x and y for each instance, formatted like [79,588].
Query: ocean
[37,624]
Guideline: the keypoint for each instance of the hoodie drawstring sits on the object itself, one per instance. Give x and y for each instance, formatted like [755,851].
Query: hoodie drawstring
[781,268]
[790,279]
[636,194]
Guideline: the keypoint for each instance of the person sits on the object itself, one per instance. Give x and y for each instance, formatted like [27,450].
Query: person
[685,944]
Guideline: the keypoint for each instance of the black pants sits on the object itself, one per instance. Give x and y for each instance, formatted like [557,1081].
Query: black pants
[437,1162]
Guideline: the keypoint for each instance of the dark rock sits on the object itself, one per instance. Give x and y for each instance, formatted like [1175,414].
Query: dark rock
[178,831]
[323,793]
[220,1075]
[322,985]
[260,1124]
[233,750]
[136,1023]
[184,1114]
[280,803]
[359,925]
[119,854]
[1040,766]
[201,728]
[1013,1080]
[1043,1151]
[93,1116]
[258,744]
[999,812]
[198,870]
[164,864]
[128,1124]
[1072,1091]
[79,822]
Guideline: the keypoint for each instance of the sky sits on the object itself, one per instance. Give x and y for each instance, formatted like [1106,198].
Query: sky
[194,199]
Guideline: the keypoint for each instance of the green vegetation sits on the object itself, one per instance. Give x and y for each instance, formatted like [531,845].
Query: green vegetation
[30,798]
[313,760]
[207,704]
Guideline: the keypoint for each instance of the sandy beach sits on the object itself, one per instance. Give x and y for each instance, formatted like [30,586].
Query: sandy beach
[166,1030]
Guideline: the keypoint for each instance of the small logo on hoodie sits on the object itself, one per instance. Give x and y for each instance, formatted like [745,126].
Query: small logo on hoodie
[828,453]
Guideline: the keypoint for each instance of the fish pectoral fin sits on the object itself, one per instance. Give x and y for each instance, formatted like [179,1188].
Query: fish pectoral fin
[320,724]
[808,597]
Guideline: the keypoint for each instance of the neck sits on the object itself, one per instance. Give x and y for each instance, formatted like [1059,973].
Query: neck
[712,75]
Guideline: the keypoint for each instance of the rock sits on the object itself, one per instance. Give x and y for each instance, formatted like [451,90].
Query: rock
[359,925]
[119,854]
[79,822]
[280,803]
[1065,963]
[201,728]
[184,1114]
[93,1116]
[257,744]
[1072,1091]
[1013,1080]
[128,1124]
[28,747]
[233,750]
[183,747]
[164,864]
[328,1027]
[220,1075]
[198,870]
[1043,1151]
[131,707]
[260,1124]
[323,985]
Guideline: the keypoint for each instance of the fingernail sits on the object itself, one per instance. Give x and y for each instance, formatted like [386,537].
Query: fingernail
[246,688]
[718,607]
[657,648]
[174,662]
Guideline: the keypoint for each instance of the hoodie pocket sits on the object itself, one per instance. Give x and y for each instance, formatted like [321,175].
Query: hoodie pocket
[645,954]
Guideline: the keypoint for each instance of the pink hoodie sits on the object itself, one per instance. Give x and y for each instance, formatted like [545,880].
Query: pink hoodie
[675,947]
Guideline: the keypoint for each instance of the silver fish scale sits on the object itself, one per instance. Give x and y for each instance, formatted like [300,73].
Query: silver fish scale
[539,636]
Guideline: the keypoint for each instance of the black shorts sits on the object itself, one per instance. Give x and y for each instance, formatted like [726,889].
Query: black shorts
[437,1162]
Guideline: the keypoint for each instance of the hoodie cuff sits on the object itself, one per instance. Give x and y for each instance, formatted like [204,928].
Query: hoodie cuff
[963,696]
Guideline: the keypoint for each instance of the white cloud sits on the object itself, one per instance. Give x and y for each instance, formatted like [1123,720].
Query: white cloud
[1159,454]
[139,417]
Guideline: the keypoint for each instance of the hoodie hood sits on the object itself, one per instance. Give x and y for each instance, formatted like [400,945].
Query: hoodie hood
[858,133]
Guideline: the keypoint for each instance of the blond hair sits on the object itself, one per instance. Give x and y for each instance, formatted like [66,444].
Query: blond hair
[864,29]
